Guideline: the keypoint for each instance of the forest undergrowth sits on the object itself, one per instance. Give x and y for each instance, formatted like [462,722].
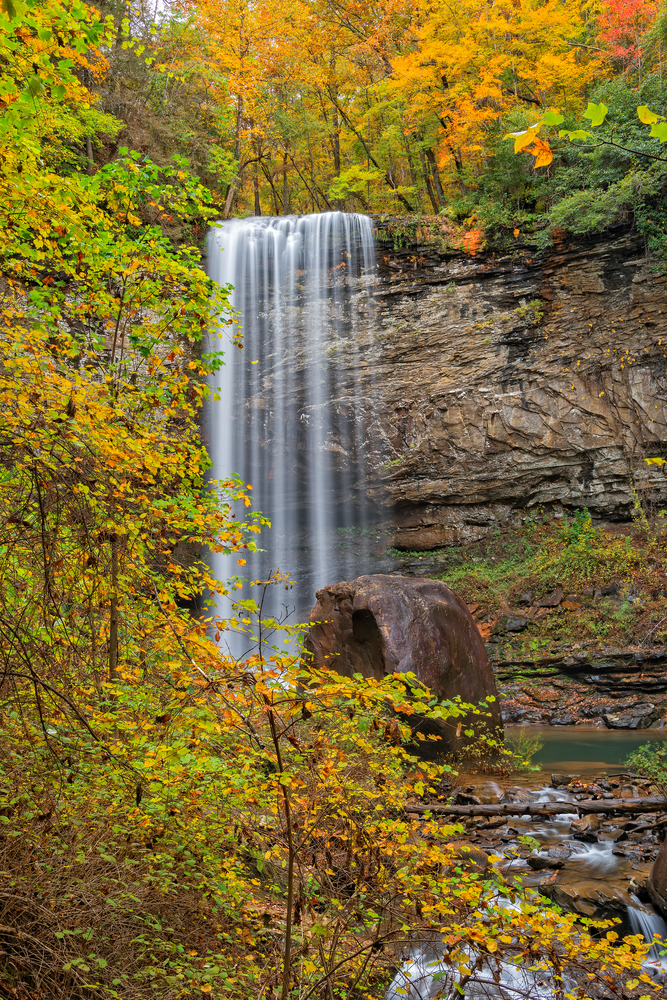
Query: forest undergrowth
[608,577]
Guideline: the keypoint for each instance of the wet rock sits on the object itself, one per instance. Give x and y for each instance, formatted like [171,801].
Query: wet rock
[640,889]
[629,792]
[539,863]
[479,418]
[378,625]
[466,799]
[489,792]
[525,599]
[638,717]
[518,795]
[495,823]
[610,836]
[559,780]
[589,897]
[552,600]
[657,880]
[560,852]
[516,624]
[566,719]
[586,827]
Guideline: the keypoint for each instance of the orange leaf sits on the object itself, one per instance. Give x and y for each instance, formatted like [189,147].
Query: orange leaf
[542,153]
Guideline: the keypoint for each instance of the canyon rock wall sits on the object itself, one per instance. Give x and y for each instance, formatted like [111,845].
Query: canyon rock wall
[504,383]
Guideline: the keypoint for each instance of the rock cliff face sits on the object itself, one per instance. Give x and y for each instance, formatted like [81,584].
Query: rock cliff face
[506,383]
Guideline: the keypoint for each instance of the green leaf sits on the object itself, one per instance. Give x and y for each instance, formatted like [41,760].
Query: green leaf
[659,131]
[578,133]
[596,113]
[553,118]
[35,86]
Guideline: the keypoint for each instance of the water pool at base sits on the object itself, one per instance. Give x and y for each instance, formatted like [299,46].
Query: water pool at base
[587,750]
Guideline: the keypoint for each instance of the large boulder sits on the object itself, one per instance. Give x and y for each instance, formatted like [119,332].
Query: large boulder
[378,625]
[657,880]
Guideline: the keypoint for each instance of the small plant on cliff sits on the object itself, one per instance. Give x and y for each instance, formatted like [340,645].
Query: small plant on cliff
[531,312]
[581,552]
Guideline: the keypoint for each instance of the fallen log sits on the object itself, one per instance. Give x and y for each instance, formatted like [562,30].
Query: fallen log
[653,804]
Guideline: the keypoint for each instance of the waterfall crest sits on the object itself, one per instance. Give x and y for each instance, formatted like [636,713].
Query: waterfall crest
[292,418]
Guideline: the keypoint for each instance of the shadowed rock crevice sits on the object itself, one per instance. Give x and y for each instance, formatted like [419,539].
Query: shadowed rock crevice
[366,650]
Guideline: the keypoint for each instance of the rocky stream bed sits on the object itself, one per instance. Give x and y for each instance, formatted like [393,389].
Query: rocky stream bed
[597,866]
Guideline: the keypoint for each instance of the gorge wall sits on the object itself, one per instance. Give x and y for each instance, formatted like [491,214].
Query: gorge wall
[500,383]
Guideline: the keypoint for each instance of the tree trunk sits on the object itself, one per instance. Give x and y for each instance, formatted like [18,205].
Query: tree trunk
[90,169]
[427,181]
[255,184]
[113,616]
[440,194]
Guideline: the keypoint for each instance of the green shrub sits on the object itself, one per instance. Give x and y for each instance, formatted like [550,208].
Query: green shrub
[650,761]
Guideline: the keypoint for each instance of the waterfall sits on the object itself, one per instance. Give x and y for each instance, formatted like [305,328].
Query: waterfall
[648,923]
[295,408]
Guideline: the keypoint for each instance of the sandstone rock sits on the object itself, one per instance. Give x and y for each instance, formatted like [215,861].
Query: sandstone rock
[589,897]
[509,623]
[489,792]
[560,852]
[657,880]
[585,827]
[465,798]
[518,795]
[559,780]
[377,625]
[629,792]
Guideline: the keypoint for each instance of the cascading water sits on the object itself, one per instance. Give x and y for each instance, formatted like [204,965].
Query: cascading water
[650,924]
[293,419]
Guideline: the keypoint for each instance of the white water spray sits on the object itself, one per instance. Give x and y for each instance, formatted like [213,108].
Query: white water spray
[292,419]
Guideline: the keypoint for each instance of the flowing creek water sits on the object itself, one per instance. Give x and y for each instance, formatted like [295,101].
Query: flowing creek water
[597,872]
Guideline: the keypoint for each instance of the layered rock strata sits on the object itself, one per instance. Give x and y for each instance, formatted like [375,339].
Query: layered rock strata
[539,378]
[617,688]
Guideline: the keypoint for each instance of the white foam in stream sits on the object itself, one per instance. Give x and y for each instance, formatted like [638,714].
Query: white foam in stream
[415,980]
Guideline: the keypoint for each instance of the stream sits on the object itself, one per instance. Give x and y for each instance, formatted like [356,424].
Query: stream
[595,866]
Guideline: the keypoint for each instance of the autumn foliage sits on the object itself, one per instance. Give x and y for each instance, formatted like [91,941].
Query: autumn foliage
[175,823]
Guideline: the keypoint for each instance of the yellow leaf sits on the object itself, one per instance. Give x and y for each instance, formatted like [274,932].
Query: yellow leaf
[646,116]
[631,983]
[523,139]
